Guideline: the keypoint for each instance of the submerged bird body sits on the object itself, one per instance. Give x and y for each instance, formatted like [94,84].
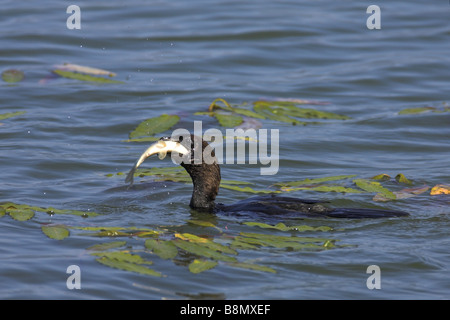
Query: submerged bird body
[199,161]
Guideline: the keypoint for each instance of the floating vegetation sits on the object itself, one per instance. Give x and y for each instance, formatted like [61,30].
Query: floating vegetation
[440,189]
[153,126]
[24,212]
[84,73]
[8,115]
[56,232]
[198,253]
[360,185]
[163,249]
[284,111]
[83,77]
[200,265]
[12,75]
[239,116]
[308,181]
[127,262]
[282,227]
[374,186]
[419,110]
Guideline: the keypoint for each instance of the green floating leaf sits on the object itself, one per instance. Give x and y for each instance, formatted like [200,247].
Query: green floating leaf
[155,125]
[246,189]
[285,242]
[83,77]
[285,110]
[107,246]
[270,237]
[234,182]
[144,139]
[198,266]
[402,179]
[248,113]
[373,186]
[128,266]
[314,114]
[228,121]
[110,233]
[11,114]
[47,210]
[123,256]
[12,75]
[282,227]
[2,211]
[205,243]
[200,250]
[251,266]
[276,114]
[314,181]
[204,224]
[55,232]
[416,110]
[243,245]
[237,110]
[163,249]
[325,189]
[382,177]
[85,214]
[307,113]
[20,214]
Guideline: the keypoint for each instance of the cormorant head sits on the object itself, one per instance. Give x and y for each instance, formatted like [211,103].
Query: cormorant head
[197,157]
[162,147]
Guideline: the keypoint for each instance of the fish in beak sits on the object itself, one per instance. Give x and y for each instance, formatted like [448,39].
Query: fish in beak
[162,147]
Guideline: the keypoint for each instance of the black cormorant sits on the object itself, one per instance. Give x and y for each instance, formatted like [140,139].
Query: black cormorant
[199,160]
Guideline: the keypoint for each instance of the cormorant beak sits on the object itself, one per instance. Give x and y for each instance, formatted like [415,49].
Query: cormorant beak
[161,147]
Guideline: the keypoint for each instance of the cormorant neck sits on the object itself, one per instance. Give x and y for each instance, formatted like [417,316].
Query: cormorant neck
[206,180]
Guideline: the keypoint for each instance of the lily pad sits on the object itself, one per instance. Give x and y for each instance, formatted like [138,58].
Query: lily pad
[199,265]
[123,256]
[11,114]
[163,249]
[251,266]
[128,266]
[246,189]
[200,250]
[155,125]
[206,243]
[21,214]
[276,114]
[323,189]
[107,246]
[55,232]
[402,179]
[373,186]
[228,121]
[204,224]
[83,77]
[12,75]
[382,177]
[282,227]
[416,110]
[313,181]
